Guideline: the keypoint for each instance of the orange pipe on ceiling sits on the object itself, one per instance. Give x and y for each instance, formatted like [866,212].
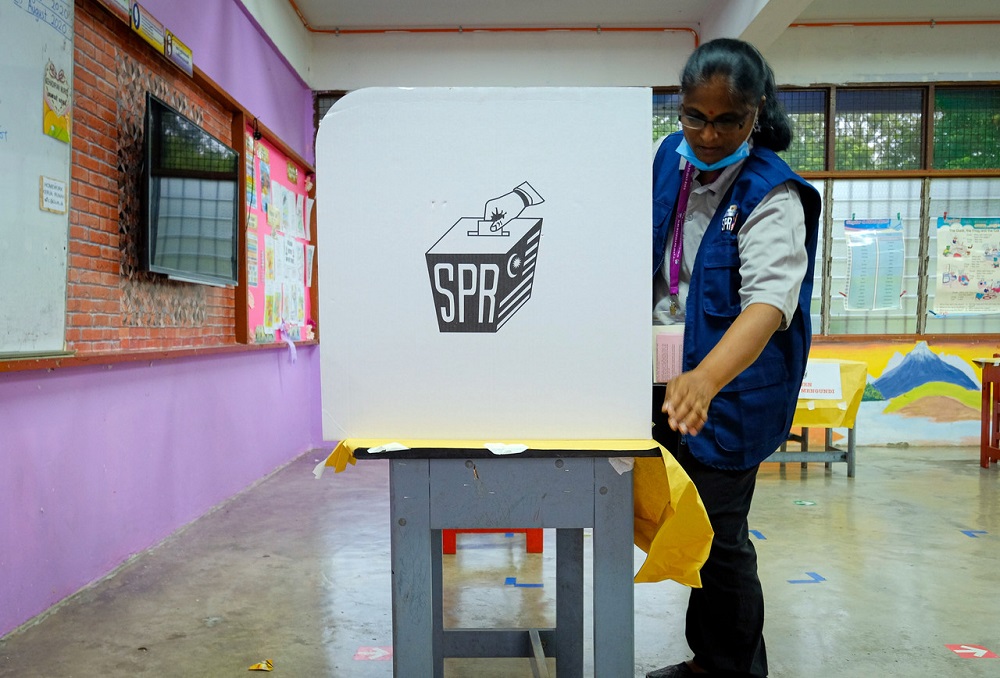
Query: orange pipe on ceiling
[512,29]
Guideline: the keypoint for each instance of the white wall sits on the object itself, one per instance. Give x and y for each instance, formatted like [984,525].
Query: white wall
[803,56]
[800,56]
[467,59]
[285,30]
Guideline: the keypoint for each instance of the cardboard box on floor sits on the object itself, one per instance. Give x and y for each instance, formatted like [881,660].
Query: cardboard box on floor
[484,263]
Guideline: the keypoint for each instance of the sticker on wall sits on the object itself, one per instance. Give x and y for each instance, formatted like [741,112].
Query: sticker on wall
[482,270]
[55,103]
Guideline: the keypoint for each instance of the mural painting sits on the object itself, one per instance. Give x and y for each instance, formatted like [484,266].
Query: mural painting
[917,394]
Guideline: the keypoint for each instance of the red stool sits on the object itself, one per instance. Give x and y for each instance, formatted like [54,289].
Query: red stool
[532,534]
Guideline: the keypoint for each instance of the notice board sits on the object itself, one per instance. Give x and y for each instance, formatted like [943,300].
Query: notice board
[279,253]
[486,263]
[36,60]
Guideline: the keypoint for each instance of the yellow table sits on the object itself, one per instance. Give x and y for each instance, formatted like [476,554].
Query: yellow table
[567,485]
[829,414]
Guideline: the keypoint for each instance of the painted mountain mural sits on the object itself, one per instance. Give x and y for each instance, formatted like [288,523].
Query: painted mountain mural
[919,367]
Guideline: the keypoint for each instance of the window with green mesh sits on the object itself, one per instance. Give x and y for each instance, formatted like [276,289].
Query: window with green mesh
[806,109]
[878,129]
[966,128]
[665,105]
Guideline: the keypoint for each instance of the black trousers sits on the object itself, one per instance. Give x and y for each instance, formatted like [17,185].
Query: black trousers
[725,618]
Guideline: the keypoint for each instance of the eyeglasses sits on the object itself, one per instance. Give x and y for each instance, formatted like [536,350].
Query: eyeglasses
[721,126]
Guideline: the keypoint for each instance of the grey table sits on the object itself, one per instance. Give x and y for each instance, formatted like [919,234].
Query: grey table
[829,454]
[569,490]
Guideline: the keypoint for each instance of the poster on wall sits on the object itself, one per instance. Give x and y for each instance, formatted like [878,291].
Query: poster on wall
[968,265]
[874,264]
[251,177]
[492,281]
[278,304]
[56,103]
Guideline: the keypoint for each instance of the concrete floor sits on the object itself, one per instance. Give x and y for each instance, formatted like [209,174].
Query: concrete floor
[871,576]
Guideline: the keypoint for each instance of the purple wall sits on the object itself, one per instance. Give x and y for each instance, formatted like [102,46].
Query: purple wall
[230,48]
[100,463]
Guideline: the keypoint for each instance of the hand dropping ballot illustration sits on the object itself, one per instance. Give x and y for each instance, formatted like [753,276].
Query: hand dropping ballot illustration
[482,270]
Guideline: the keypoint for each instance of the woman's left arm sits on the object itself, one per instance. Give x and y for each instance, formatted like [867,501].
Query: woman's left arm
[689,394]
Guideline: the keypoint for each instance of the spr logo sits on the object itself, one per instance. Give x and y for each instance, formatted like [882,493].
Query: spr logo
[482,270]
[730,217]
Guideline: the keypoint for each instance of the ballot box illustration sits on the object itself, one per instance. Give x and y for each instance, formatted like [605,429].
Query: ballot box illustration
[479,282]
[482,270]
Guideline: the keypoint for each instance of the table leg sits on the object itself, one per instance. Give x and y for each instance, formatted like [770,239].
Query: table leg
[985,440]
[850,452]
[567,640]
[413,583]
[614,621]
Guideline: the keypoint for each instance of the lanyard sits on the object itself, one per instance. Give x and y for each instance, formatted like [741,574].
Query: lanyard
[677,245]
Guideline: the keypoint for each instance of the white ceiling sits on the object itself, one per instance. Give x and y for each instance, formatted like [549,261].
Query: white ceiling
[696,14]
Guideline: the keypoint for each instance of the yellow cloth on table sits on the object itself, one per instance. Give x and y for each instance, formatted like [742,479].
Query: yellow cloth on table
[671,525]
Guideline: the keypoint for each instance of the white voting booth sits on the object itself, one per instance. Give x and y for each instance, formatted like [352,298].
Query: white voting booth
[484,272]
[484,263]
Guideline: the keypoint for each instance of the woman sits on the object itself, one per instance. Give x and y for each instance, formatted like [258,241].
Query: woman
[734,244]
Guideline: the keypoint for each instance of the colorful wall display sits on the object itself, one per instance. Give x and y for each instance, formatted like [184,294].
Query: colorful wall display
[917,394]
[279,253]
[968,261]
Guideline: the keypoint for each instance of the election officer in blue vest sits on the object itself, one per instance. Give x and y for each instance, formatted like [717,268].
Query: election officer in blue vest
[734,245]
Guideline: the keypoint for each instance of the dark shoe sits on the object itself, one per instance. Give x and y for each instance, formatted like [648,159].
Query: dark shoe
[681,670]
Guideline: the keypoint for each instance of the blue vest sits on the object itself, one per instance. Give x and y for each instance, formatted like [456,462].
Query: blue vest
[751,416]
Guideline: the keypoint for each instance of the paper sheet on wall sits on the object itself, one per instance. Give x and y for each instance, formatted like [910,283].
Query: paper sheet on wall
[968,266]
[874,264]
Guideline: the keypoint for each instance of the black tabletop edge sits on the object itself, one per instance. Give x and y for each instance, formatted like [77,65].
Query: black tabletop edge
[483,453]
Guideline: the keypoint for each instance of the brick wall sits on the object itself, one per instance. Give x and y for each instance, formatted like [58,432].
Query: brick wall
[111,304]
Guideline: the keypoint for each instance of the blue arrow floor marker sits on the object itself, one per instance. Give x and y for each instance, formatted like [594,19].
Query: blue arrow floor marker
[813,579]
[974,533]
[758,534]
[512,581]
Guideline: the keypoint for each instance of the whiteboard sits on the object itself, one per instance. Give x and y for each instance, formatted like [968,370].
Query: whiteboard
[37,58]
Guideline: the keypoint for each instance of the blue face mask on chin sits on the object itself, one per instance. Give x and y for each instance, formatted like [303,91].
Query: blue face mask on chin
[686,152]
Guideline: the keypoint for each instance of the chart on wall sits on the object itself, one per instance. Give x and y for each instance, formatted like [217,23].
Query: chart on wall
[279,253]
[488,267]
[968,264]
[874,264]
[36,60]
